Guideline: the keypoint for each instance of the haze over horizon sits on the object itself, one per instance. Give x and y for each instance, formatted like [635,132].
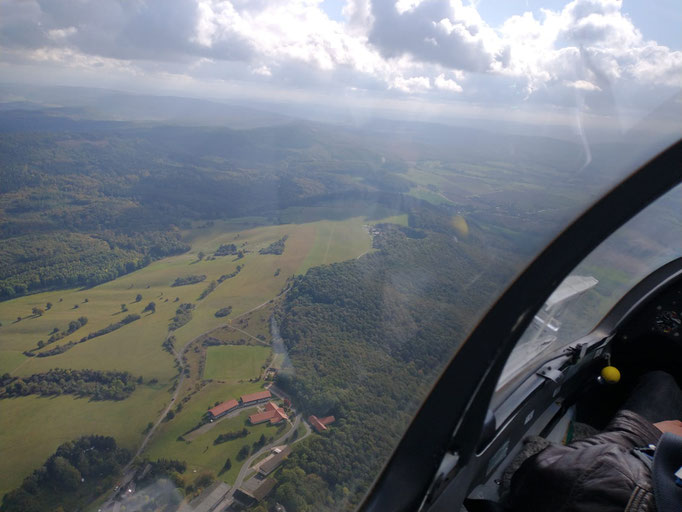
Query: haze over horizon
[607,61]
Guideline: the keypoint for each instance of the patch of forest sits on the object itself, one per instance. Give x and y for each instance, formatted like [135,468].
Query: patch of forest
[99,385]
[75,474]
[223,312]
[183,314]
[187,280]
[366,339]
[226,250]
[275,247]
[34,262]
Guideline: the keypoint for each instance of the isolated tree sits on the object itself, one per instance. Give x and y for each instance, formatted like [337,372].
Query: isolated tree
[138,298]
[201,255]
[243,452]
[18,319]
[227,466]
[150,307]
[170,415]
[85,300]
[124,307]
[48,305]
[37,311]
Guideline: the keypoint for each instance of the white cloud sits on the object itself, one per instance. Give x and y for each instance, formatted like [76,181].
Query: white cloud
[262,70]
[410,85]
[415,47]
[447,84]
[583,85]
[61,33]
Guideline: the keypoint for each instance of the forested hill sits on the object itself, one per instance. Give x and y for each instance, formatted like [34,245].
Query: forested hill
[82,202]
[366,340]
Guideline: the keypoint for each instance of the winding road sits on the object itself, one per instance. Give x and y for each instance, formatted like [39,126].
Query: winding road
[246,466]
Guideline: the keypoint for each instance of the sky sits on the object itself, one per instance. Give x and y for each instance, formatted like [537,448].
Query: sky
[495,59]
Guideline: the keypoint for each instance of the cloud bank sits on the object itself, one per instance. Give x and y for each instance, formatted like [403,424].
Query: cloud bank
[434,50]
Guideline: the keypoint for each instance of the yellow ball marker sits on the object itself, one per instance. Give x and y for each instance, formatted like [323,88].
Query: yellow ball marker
[610,374]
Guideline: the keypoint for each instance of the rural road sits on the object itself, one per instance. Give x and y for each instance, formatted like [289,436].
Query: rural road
[247,465]
[307,433]
[178,356]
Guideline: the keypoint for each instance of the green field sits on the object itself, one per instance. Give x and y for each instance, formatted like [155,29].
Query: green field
[32,427]
[234,362]
[430,196]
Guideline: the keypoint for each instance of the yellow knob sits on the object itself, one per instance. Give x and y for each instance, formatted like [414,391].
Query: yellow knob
[610,374]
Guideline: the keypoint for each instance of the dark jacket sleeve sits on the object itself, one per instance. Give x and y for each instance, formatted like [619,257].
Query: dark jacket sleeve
[597,474]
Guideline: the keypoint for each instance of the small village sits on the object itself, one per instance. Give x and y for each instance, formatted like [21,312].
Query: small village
[255,480]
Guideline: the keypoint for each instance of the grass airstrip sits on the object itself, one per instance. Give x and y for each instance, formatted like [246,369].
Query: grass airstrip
[32,427]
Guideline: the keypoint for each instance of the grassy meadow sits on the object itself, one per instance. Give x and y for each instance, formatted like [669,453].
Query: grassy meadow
[234,362]
[32,427]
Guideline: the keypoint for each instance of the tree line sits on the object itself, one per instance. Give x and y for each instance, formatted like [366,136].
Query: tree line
[60,349]
[230,436]
[183,314]
[187,280]
[231,274]
[99,385]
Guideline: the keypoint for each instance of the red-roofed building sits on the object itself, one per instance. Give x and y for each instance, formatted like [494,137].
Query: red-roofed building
[272,413]
[320,424]
[280,415]
[222,409]
[256,398]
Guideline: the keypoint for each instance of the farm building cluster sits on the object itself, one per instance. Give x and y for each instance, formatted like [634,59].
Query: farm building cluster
[272,412]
